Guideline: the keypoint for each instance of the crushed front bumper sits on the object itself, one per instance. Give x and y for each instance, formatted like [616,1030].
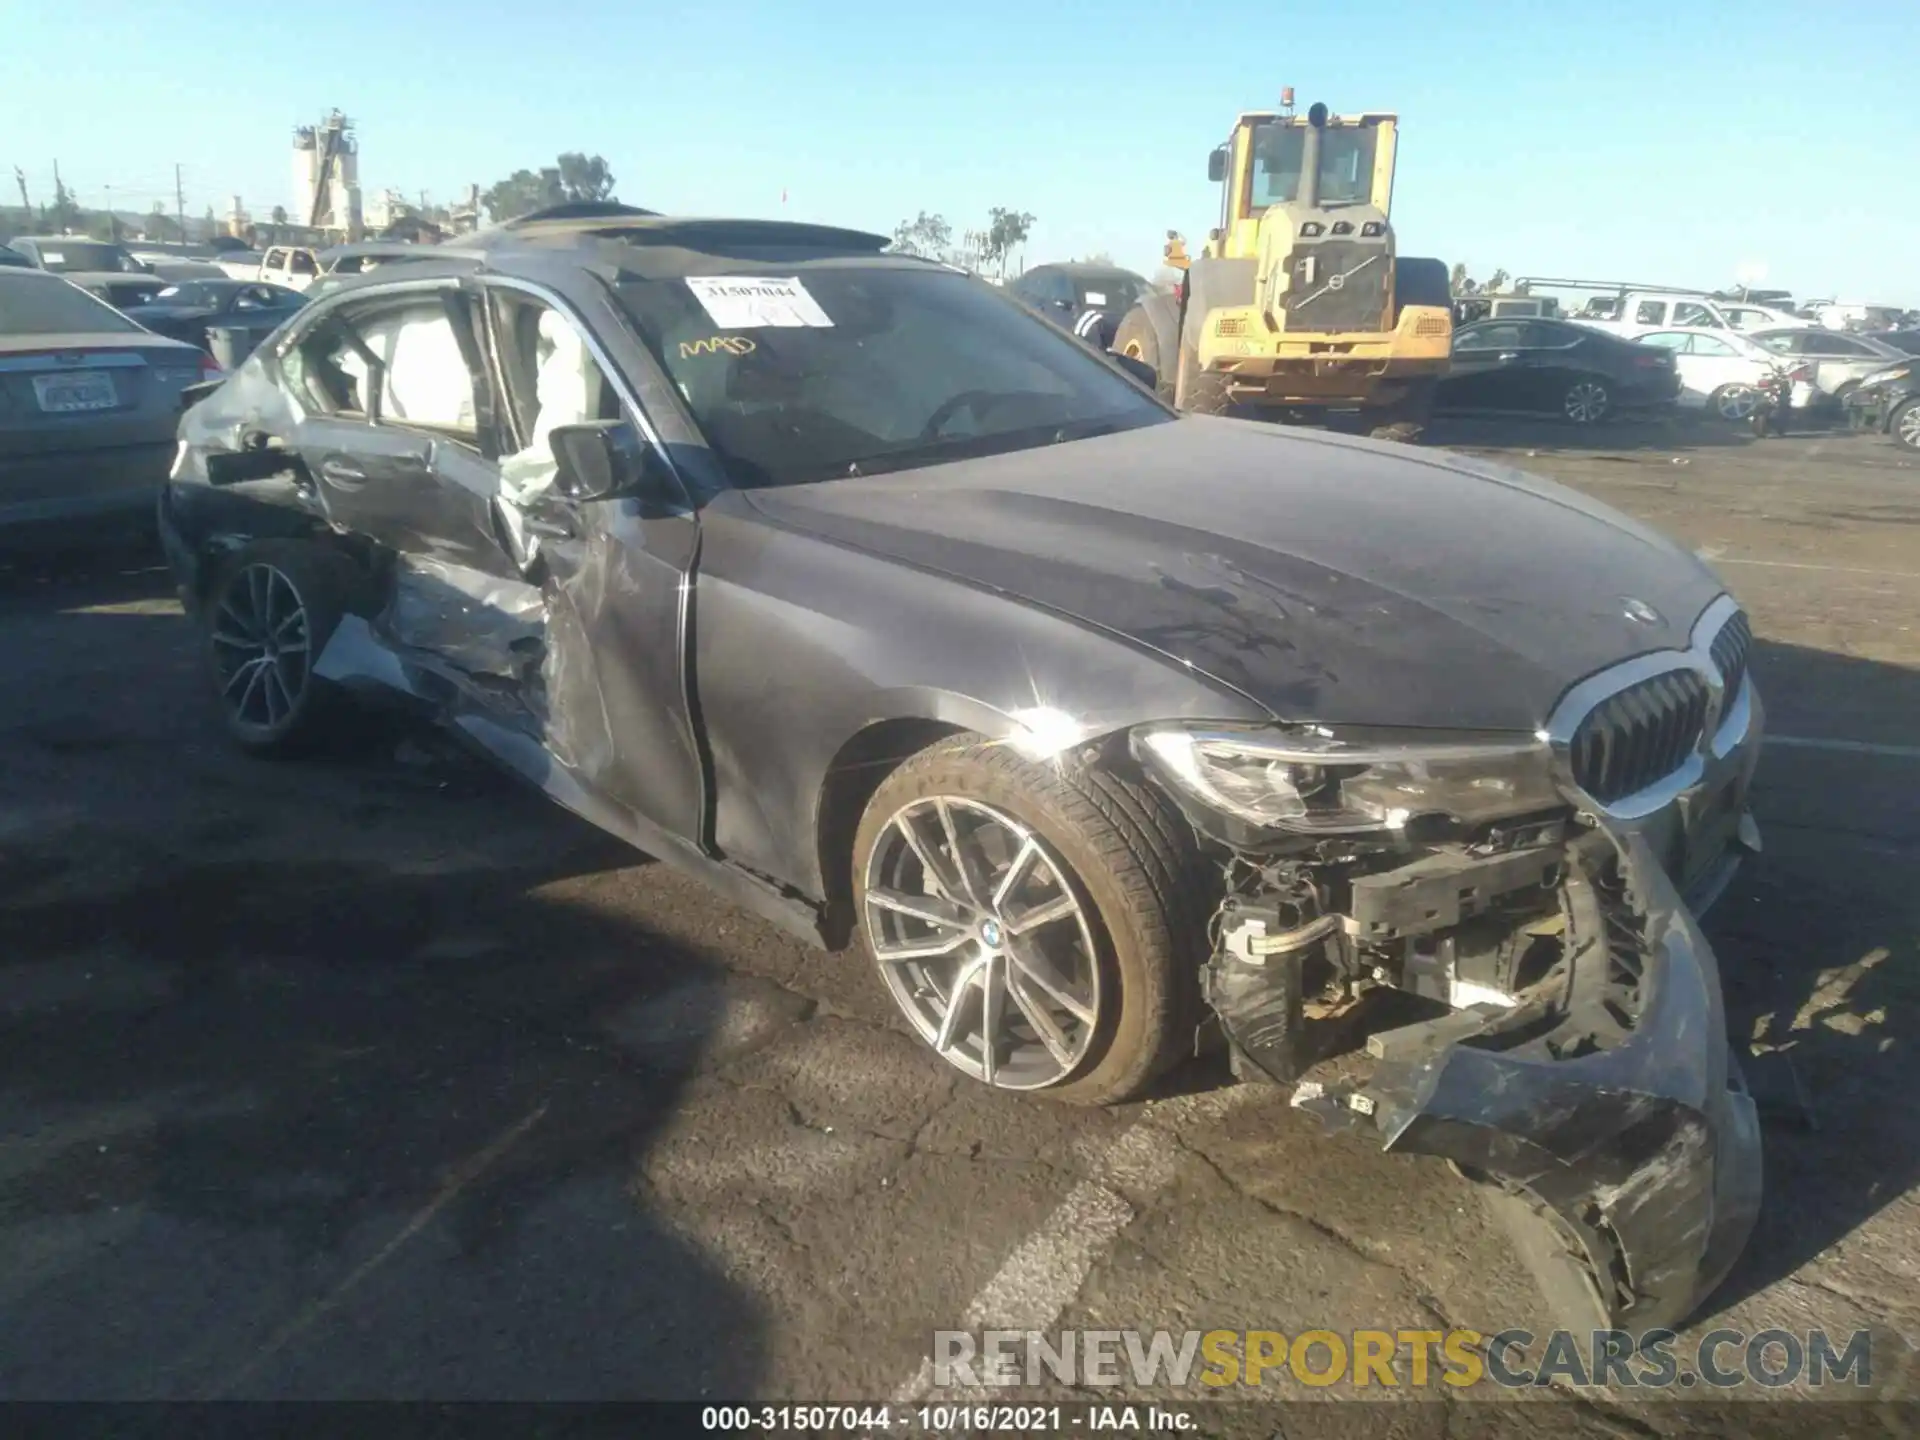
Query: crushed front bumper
[1631,1173]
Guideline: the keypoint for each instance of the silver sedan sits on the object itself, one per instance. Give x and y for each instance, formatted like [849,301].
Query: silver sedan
[88,404]
[1838,361]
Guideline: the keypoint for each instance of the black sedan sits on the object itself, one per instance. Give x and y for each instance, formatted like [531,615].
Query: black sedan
[896,613]
[186,311]
[1085,297]
[1555,367]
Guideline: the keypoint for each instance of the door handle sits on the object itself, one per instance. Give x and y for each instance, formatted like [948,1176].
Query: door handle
[1508,356]
[341,471]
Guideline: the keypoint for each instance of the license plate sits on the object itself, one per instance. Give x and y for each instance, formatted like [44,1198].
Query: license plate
[86,390]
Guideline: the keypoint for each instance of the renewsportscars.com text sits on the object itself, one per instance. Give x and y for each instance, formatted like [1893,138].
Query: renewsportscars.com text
[1510,1359]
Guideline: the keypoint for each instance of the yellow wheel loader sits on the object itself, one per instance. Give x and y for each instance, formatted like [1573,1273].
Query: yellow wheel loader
[1298,304]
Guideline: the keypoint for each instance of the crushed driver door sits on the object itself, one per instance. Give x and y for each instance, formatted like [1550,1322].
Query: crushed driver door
[613,575]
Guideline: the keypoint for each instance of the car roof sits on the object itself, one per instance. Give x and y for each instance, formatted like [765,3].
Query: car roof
[664,246]
[1088,268]
[374,247]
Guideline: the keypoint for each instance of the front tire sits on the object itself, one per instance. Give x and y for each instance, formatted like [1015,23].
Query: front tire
[1040,926]
[1904,425]
[269,612]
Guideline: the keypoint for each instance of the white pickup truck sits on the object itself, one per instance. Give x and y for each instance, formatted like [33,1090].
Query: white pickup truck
[1632,313]
[294,266]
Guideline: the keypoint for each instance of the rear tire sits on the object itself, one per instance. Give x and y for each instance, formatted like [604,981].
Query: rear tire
[1150,333]
[1110,844]
[1735,403]
[1587,401]
[1404,421]
[269,612]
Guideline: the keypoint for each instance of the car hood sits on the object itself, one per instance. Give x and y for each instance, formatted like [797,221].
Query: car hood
[1328,579]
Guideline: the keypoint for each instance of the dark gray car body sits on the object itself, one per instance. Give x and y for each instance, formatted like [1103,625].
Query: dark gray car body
[716,674]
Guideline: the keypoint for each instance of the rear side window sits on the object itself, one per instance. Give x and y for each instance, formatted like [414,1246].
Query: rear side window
[301,263]
[1651,312]
[1685,312]
[34,303]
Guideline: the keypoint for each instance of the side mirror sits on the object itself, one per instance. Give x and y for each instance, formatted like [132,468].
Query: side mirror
[1217,165]
[1137,368]
[603,460]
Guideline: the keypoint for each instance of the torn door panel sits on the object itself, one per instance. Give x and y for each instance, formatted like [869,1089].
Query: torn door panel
[1585,1071]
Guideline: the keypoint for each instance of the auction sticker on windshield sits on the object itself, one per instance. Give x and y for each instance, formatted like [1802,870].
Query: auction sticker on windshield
[749,302]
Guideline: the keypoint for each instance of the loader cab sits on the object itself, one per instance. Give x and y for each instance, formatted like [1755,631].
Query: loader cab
[1259,166]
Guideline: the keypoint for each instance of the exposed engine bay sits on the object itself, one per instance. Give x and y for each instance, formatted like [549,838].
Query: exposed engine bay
[1573,1058]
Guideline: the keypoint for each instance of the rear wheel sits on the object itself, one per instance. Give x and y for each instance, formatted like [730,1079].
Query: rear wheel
[1904,425]
[1150,333]
[1406,419]
[1734,402]
[1040,928]
[269,612]
[1587,400]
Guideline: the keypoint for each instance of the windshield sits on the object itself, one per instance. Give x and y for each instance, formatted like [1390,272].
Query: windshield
[33,304]
[1118,292]
[859,369]
[197,293]
[1346,163]
[94,255]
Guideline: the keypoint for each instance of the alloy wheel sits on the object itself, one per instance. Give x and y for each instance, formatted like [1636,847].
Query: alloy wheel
[1586,401]
[1738,402]
[261,641]
[983,941]
[1907,430]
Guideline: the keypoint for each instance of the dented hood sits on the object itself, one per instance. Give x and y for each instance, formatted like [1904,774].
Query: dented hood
[1330,579]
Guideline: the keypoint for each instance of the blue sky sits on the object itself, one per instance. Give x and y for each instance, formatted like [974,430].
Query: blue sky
[1670,142]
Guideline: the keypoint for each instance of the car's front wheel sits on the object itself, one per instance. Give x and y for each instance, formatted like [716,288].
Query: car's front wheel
[1904,425]
[1039,926]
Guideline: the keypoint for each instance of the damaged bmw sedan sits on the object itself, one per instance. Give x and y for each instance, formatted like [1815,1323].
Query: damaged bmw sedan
[840,580]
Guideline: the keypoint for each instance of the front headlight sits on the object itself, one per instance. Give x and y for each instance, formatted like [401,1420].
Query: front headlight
[1880,377]
[1315,781]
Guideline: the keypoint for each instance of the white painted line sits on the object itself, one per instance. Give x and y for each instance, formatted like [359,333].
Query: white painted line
[1846,747]
[463,1175]
[1707,554]
[1039,1279]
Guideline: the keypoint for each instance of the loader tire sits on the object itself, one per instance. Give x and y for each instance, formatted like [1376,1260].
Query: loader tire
[1150,333]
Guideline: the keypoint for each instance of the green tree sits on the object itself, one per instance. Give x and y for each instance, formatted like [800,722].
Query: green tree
[929,236]
[1460,284]
[1005,229]
[584,177]
[574,178]
[64,213]
[279,214]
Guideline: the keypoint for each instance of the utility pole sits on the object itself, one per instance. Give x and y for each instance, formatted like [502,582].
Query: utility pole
[20,179]
[179,203]
[59,191]
[113,220]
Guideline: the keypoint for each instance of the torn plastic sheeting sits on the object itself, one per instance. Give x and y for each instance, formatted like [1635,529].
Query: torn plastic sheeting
[479,623]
